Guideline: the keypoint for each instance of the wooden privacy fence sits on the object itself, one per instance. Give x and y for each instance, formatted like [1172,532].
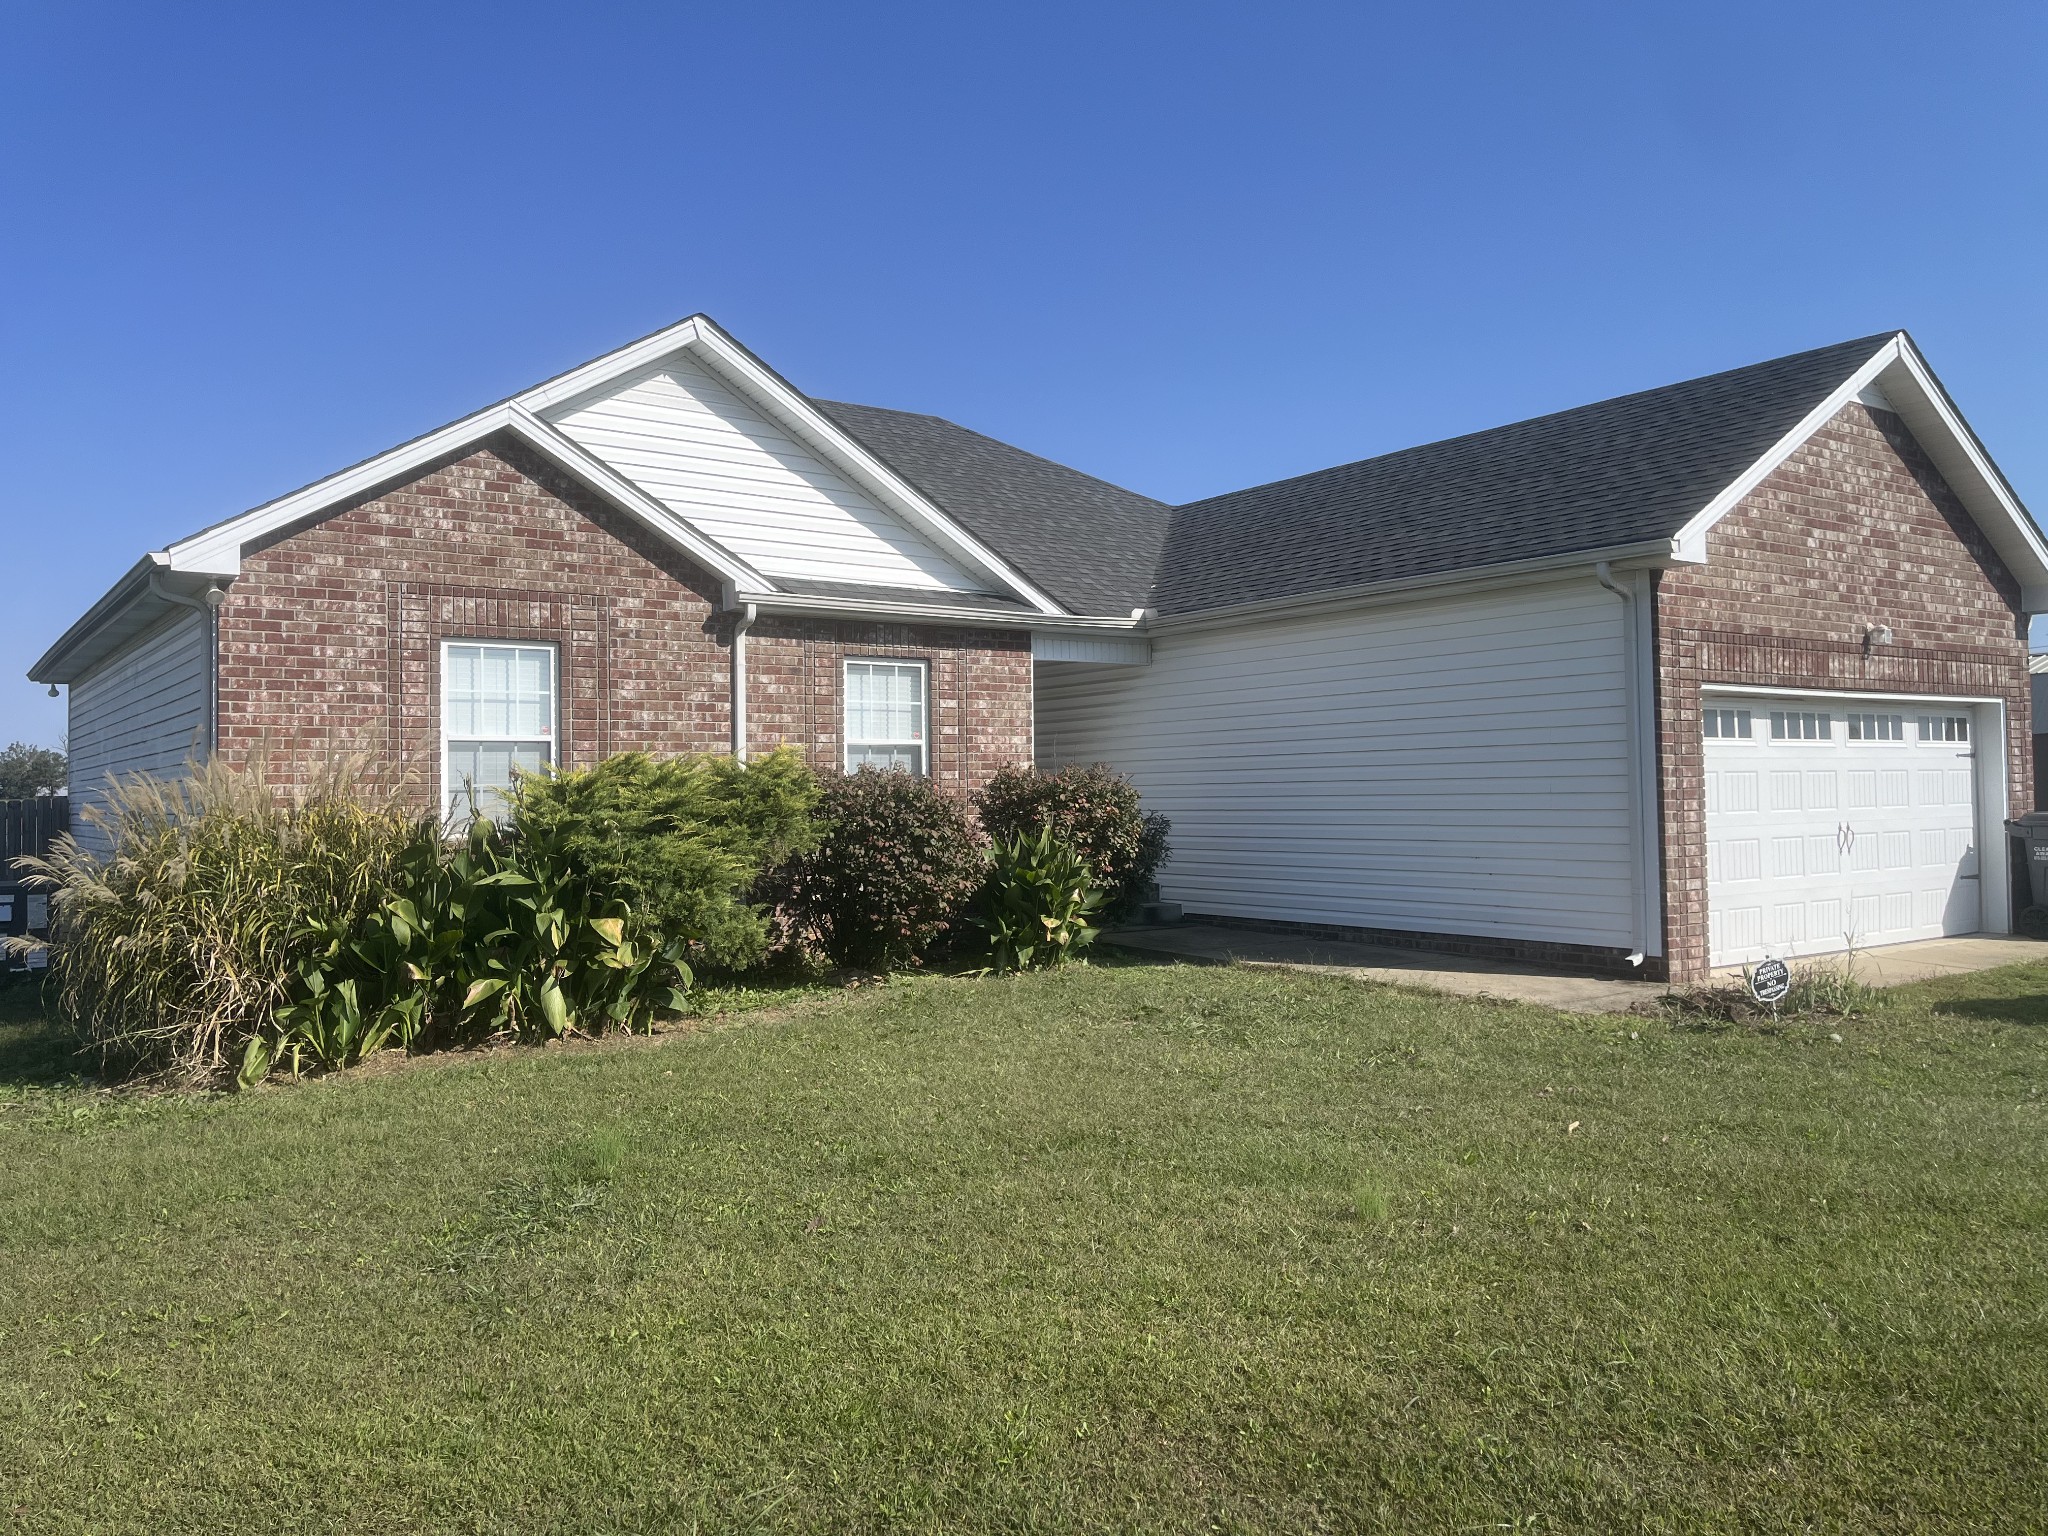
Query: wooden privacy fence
[26,827]
[30,826]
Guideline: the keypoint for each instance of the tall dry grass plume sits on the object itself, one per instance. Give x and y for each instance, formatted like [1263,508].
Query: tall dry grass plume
[179,943]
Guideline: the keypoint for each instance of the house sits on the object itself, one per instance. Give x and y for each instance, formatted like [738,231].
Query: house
[1730,668]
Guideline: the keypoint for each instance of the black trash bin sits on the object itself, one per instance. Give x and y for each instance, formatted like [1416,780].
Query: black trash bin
[2030,835]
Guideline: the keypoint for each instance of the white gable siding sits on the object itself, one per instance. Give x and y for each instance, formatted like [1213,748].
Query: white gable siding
[693,443]
[143,711]
[1455,767]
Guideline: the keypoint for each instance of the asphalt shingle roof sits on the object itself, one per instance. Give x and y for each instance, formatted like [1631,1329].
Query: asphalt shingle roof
[1622,471]
[1091,546]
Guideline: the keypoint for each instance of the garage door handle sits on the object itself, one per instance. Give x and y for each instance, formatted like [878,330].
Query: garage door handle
[1845,836]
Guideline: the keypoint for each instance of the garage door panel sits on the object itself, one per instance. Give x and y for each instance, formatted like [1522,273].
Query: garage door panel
[1827,830]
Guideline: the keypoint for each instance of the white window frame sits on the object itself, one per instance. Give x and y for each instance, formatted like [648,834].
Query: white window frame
[448,812]
[847,743]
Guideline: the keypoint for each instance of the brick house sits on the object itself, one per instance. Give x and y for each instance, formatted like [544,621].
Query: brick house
[1731,668]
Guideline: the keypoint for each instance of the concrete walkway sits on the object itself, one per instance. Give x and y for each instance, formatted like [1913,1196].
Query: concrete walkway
[1530,984]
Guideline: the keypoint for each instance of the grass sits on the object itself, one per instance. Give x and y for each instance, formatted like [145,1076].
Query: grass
[1125,1248]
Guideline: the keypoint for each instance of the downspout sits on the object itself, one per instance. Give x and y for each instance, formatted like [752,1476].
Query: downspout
[1603,573]
[208,606]
[739,681]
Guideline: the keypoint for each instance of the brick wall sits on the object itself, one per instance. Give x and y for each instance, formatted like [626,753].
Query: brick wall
[1856,529]
[979,681]
[330,638]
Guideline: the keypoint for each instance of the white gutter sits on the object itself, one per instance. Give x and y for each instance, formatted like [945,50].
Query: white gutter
[796,605]
[748,613]
[1651,552]
[1642,791]
[208,605]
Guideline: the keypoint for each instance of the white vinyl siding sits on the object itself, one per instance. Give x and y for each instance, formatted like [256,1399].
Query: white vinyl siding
[885,716]
[1455,767]
[694,444]
[497,716]
[143,711]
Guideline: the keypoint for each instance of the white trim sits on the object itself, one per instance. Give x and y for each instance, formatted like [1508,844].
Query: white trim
[846,741]
[1908,388]
[217,550]
[742,368]
[1989,752]
[790,603]
[1429,588]
[446,812]
[1696,529]
[1759,690]
[1646,860]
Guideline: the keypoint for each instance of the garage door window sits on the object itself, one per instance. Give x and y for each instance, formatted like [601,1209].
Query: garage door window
[1725,723]
[1877,727]
[1944,727]
[1798,725]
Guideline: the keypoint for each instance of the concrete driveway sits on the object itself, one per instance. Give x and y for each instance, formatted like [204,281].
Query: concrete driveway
[1469,977]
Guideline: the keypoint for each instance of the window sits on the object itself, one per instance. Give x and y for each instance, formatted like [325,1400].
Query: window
[1727,722]
[1877,727]
[885,710]
[1944,727]
[497,715]
[1787,725]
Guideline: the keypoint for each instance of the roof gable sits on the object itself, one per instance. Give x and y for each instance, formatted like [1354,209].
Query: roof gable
[717,461]
[1624,472]
[784,462]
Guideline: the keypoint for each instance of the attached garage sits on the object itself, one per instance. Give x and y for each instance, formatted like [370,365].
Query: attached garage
[1839,822]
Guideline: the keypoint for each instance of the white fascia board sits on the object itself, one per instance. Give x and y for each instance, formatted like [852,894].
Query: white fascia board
[1411,589]
[1689,543]
[1908,387]
[1938,427]
[616,488]
[758,383]
[795,605]
[217,551]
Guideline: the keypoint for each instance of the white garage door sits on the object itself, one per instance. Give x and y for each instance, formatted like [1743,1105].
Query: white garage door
[1831,824]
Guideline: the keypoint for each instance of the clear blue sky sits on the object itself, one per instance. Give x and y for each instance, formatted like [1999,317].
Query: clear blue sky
[1187,247]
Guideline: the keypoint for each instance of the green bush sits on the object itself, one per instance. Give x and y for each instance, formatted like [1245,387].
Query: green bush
[174,952]
[1037,903]
[234,930]
[581,915]
[892,875]
[678,843]
[1094,810]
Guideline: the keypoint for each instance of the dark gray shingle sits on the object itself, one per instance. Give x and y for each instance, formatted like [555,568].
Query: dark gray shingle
[1623,471]
[1089,545]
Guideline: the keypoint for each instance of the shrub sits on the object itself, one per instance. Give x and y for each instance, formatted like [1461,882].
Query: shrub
[1096,811]
[180,947]
[678,843]
[1037,902]
[581,915]
[895,869]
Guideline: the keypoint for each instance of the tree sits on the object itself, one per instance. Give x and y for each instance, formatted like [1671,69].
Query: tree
[27,771]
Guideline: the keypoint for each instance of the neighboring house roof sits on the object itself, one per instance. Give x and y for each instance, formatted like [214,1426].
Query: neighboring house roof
[1631,470]
[1092,545]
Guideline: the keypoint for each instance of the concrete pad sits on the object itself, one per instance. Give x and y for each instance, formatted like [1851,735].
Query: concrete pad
[1895,964]
[1458,974]
[1889,966]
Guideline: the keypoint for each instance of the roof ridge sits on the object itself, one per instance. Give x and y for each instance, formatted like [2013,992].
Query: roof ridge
[1874,342]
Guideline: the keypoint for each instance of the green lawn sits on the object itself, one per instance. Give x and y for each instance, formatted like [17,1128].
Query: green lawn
[1123,1248]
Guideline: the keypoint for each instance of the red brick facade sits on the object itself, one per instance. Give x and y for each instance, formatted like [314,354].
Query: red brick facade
[330,638]
[1856,529]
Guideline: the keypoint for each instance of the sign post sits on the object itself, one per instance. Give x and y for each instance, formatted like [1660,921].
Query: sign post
[1769,983]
